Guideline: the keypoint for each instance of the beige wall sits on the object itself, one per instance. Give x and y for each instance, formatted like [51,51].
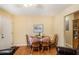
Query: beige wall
[24,25]
[59,22]
[4,13]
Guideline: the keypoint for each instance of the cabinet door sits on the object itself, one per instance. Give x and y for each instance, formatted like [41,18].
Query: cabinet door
[68,33]
[75,33]
[5,33]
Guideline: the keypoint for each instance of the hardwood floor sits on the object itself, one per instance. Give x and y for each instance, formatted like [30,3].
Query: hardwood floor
[26,51]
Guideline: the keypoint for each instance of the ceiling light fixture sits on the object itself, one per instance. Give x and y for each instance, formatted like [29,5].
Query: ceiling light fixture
[28,5]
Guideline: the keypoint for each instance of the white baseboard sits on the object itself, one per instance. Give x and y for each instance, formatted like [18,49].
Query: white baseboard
[20,45]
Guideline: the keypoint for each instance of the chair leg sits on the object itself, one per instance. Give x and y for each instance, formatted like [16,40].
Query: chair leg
[42,50]
[48,51]
[38,50]
[31,50]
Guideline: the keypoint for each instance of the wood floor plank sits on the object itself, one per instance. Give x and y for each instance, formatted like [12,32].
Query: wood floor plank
[23,50]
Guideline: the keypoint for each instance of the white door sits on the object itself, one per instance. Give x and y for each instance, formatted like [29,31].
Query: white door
[5,33]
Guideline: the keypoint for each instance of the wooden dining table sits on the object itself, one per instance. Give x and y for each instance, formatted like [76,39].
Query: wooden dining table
[38,39]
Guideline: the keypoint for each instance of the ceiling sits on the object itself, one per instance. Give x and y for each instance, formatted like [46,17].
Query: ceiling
[38,9]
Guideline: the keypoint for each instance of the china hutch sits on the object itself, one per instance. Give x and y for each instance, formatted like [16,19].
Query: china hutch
[71,32]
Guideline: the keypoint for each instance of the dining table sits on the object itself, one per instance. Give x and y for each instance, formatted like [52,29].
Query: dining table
[38,39]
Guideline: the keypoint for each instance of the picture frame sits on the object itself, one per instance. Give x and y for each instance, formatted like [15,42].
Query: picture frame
[38,28]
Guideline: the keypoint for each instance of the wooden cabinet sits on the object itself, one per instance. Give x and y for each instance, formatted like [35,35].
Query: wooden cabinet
[75,33]
[76,30]
[71,32]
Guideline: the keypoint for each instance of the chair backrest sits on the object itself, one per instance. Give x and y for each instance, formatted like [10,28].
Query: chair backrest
[45,41]
[55,38]
[35,44]
[27,39]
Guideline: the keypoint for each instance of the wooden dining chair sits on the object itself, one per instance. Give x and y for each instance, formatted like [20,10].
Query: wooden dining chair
[45,43]
[35,44]
[54,41]
[27,40]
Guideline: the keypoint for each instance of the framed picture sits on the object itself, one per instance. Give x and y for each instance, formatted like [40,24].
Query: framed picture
[38,28]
